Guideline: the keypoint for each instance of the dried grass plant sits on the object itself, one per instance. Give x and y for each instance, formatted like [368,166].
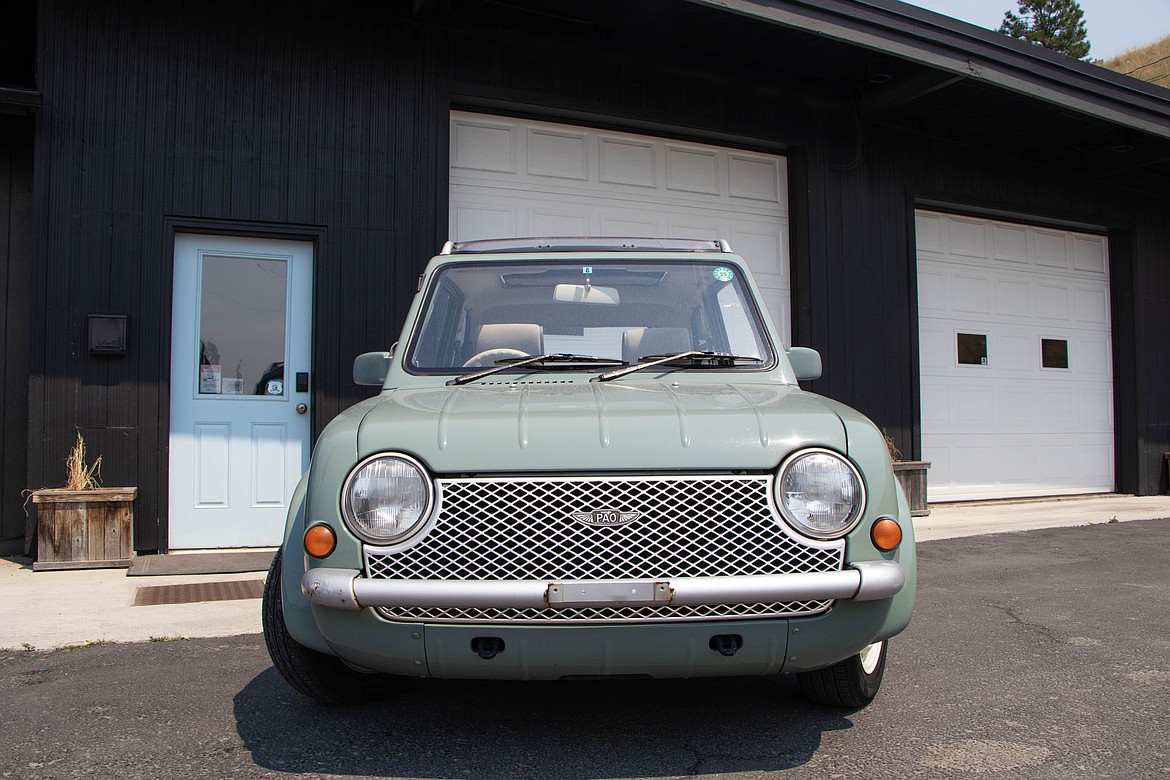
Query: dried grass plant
[79,476]
[895,453]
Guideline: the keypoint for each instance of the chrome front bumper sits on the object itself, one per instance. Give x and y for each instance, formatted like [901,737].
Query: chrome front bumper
[346,589]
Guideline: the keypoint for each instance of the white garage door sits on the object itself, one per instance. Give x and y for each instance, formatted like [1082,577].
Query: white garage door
[512,177]
[1016,365]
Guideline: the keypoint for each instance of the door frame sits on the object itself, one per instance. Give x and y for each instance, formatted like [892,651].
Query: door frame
[312,234]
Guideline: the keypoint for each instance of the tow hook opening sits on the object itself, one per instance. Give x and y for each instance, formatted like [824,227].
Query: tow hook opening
[487,647]
[726,644]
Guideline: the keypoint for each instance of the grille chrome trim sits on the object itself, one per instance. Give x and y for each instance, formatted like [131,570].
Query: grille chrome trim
[522,529]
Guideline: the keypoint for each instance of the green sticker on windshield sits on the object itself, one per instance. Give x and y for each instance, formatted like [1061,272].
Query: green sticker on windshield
[723,274]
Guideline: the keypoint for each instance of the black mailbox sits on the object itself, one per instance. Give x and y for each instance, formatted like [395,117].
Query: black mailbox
[107,334]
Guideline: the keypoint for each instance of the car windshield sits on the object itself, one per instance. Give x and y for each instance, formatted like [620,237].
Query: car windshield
[477,314]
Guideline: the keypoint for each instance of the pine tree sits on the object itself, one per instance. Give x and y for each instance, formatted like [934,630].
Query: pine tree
[1058,25]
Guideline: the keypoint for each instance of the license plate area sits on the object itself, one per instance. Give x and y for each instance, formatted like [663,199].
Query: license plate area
[588,593]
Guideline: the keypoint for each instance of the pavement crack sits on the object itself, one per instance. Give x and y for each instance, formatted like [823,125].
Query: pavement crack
[1043,630]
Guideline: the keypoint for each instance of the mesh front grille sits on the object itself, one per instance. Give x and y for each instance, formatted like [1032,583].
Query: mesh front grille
[525,529]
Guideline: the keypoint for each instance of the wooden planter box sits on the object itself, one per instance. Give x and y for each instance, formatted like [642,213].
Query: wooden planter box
[912,475]
[84,529]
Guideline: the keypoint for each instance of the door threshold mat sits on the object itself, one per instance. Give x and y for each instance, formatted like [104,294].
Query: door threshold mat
[191,593]
[200,563]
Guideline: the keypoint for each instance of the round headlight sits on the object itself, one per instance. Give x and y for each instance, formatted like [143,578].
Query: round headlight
[386,498]
[820,493]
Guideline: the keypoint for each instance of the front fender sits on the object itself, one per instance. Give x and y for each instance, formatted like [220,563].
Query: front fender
[298,614]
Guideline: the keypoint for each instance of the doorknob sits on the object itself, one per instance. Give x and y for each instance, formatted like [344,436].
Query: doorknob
[302,408]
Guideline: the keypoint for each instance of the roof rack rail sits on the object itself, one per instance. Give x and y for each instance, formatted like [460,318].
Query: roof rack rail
[585,244]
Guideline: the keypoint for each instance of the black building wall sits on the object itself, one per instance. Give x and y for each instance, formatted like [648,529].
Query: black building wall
[288,119]
[16,156]
[331,121]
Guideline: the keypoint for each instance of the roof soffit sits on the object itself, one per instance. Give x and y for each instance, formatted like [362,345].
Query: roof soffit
[970,52]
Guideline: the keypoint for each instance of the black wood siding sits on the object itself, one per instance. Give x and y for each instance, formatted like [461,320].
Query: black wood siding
[16,156]
[310,120]
[330,121]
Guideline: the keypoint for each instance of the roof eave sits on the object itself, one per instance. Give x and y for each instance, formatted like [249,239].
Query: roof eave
[964,49]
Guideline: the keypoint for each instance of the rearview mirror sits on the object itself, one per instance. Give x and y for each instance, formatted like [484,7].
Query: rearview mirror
[805,362]
[371,368]
[585,293]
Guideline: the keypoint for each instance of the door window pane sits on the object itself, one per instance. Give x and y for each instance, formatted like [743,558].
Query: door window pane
[1054,353]
[972,349]
[242,314]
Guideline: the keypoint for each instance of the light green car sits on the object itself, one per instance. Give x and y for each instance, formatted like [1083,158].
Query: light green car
[591,458]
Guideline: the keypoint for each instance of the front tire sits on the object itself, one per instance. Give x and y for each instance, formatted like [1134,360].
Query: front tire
[850,683]
[315,674]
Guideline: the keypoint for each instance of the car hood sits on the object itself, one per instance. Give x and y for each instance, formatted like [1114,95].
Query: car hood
[576,426]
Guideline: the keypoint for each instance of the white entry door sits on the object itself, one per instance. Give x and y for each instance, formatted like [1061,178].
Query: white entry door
[240,363]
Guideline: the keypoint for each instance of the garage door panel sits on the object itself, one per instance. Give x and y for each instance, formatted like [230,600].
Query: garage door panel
[553,223]
[1013,298]
[1058,407]
[1092,358]
[968,238]
[695,225]
[1052,302]
[484,146]
[928,233]
[1093,463]
[1051,249]
[1015,352]
[1011,243]
[1089,254]
[558,154]
[627,162]
[934,347]
[692,171]
[971,293]
[1020,407]
[1017,465]
[995,409]
[756,178]
[766,245]
[1092,305]
[1038,418]
[624,226]
[973,406]
[975,465]
[932,290]
[1093,410]
[472,222]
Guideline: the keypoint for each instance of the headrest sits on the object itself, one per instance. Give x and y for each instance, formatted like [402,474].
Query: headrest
[637,342]
[524,336]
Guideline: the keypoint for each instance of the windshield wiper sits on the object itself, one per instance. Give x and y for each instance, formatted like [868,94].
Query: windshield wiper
[536,361]
[690,359]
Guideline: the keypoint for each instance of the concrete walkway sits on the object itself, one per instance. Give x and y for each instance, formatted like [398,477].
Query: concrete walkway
[52,609]
[947,521]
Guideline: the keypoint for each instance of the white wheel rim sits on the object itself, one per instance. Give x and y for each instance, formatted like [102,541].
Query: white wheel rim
[870,656]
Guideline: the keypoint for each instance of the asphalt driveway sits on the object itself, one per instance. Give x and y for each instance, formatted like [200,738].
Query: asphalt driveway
[1043,654]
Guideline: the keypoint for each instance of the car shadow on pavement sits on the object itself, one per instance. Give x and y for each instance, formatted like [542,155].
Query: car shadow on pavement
[512,730]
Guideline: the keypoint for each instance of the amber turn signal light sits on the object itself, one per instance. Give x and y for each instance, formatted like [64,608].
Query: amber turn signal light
[886,534]
[320,541]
